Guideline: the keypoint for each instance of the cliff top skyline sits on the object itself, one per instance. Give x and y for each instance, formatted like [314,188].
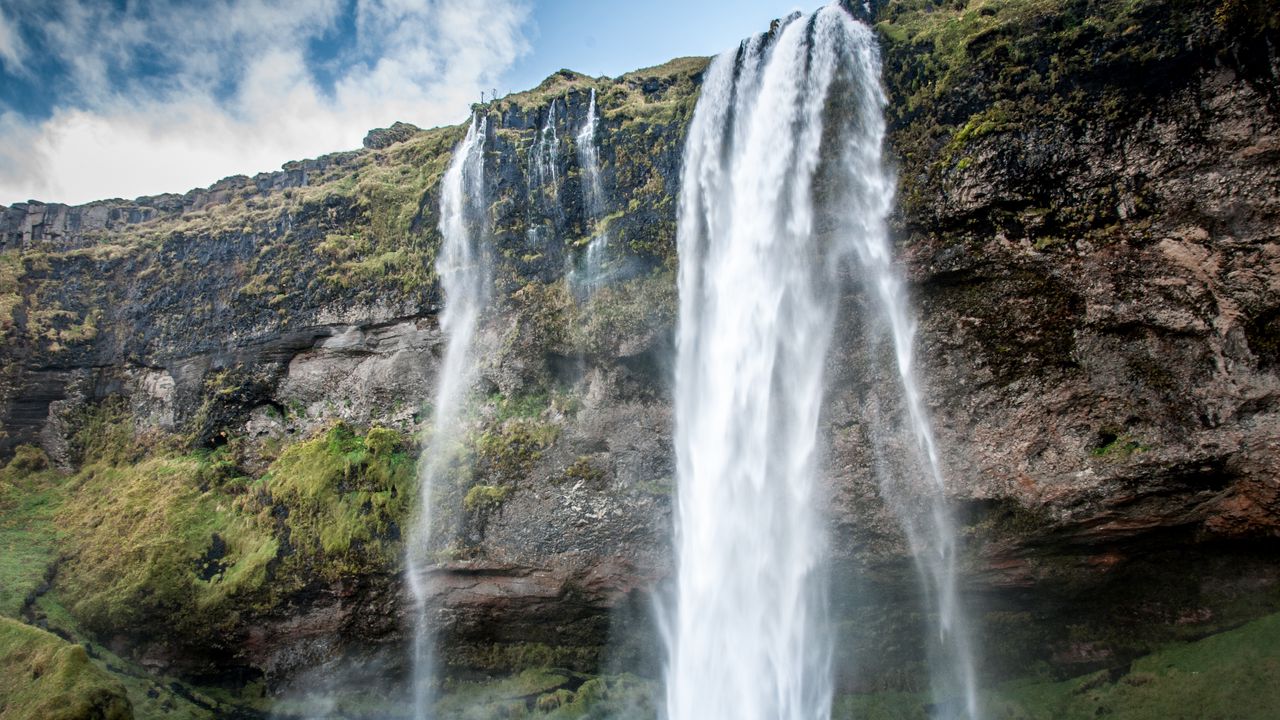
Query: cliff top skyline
[122,99]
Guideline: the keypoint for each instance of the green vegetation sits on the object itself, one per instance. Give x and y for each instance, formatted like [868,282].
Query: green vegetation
[11,271]
[585,470]
[509,450]
[29,495]
[347,496]
[1117,446]
[960,71]
[484,497]
[627,314]
[1235,674]
[550,693]
[1231,675]
[43,677]
[183,541]
[1027,48]
[146,545]
[150,694]
[181,544]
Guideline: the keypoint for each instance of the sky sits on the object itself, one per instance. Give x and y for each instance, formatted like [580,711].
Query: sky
[123,98]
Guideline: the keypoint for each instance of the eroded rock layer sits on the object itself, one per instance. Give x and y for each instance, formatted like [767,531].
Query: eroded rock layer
[229,385]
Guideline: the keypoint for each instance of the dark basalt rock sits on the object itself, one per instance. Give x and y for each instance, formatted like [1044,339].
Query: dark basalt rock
[386,137]
[1097,284]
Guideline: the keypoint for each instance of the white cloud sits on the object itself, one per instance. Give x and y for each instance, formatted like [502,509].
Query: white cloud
[422,61]
[12,49]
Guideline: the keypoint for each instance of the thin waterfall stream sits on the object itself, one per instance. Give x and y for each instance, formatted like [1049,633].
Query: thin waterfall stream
[463,267]
[781,120]
[593,273]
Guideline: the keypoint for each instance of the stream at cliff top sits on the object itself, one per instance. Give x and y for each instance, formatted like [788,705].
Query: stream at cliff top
[465,278]
[784,198]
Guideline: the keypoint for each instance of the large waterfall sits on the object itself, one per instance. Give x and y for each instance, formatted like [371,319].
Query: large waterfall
[463,268]
[783,120]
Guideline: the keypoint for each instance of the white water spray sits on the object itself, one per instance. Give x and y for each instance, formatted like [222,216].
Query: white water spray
[760,279]
[546,155]
[757,300]
[463,268]
[593,196]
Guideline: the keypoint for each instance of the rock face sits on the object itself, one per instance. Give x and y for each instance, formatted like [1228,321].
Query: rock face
[1093,244]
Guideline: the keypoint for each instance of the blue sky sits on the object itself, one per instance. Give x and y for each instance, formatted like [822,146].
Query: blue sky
[610,38]
[120,98]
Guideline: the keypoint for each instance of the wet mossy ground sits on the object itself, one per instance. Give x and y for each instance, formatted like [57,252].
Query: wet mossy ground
[43,677]
[1235,674]
[184,543]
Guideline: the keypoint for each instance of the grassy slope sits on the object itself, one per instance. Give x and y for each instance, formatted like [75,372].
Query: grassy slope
[29,496]
[1234,675]
[130,537]
[43,677]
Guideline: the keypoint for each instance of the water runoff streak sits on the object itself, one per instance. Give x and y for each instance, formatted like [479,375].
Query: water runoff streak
[463,268]
[781,121]
[546,156]
[593,195]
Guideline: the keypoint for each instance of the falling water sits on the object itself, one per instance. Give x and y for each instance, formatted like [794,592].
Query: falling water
[546,155]
[761,263]
[589,160]
[593,195]
[464,276]
[757,299]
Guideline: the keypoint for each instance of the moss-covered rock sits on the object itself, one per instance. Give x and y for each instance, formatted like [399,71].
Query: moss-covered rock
[43,677]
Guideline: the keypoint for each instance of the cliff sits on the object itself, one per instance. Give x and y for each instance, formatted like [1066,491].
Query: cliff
[228,388]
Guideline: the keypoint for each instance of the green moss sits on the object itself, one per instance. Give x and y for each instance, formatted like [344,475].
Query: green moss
[104,433]
[556,85]
[628,313]
[625,697]
[583,469]
[960,72]
[42,677]
[552,694]
[880,706]
[484,497]
[153,695]
[185,541]
[1117,446]
[29,496]
[509,451]
[135,537]
[530,405]
[11,272]
[1235,674]
[346,497]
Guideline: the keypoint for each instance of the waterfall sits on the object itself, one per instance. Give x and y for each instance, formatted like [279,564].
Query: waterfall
[463,269]
[914,487]
[783,120]
[546,155]
[593,200]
